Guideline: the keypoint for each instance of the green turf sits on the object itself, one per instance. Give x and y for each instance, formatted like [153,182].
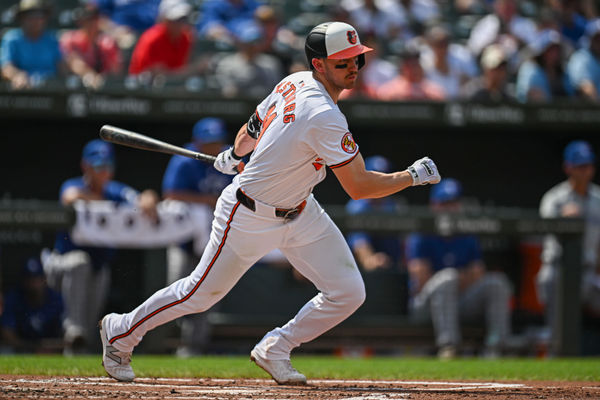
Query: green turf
[582,369]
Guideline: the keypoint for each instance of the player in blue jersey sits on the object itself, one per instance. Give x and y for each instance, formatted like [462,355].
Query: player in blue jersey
[82,274]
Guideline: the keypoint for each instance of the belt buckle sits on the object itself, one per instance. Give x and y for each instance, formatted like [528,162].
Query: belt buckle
[291,214]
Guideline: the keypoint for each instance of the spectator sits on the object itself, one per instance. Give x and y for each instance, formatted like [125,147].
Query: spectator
[278,39]
[420,14]
[503,26]
[33,312]
[134,16]
[571,21]
[542,78]
[575,197]
[449,65]
[385,18]
[82,274]
[165,48]
[492,86]
[91,54]
[449,282]
[371,251]
[30,55]
[248,72]
[198,184]
[411,83]
[220,18]
[584,65]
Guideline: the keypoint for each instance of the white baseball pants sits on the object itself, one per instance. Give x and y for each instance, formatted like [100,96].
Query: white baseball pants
[240,237]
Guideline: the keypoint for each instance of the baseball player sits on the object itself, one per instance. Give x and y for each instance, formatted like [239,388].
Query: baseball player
[82,273]
[294,134]
[449,282]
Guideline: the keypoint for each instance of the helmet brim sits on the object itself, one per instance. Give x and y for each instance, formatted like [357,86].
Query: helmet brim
[350,52]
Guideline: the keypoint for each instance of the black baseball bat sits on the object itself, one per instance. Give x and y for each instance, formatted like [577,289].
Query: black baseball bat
[137,140]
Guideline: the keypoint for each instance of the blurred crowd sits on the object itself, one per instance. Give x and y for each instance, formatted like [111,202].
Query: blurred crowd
[425,50]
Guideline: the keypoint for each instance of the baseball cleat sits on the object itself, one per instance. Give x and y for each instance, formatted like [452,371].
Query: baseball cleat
[281,370]
[117,364]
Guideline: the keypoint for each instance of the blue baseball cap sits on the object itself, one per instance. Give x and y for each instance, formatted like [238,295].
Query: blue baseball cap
[98,153]
[248,32]
[32,268]
[209,130]
[378,163]
[579,152]
[448,189]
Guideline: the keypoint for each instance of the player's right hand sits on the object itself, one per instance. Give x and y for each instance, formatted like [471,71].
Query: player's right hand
[424,171]
[227,163]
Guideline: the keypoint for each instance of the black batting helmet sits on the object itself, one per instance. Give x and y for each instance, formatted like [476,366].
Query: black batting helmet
[336,41]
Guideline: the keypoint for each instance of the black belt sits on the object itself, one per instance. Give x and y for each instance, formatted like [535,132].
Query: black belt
[279,212]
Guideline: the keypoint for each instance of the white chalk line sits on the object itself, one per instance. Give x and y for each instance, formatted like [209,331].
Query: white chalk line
[154,382]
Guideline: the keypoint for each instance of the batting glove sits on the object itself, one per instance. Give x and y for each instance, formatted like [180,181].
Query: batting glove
[227,162]
[424,171]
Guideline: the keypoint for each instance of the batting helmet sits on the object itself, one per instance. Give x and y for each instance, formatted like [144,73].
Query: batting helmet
[335,41]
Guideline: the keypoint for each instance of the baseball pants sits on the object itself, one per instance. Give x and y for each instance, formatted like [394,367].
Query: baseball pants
[240,237]
[440,301]
[84,290]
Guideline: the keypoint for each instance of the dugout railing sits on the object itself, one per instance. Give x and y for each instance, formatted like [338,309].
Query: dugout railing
[245,314]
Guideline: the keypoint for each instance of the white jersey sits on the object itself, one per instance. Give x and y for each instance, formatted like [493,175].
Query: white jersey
[302,131]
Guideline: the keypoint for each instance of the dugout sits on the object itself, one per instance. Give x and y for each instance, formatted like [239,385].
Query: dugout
[505,155]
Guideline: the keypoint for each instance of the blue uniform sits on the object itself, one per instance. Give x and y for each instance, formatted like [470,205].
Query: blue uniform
[139,15]
[189,175]
[32,323]
[186,174]
[390,245]
[113,191]
[444,252]
[38,58]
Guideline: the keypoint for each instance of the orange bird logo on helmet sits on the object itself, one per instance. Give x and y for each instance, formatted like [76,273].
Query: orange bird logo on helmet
[351,37]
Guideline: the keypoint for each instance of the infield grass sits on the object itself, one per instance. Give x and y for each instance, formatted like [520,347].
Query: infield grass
[317,367]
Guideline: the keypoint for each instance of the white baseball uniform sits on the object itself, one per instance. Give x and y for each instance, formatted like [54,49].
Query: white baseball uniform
[303,130]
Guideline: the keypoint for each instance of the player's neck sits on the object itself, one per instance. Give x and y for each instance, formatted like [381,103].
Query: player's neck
[334,92]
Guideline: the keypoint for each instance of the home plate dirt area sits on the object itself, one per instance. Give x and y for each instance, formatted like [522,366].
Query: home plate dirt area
[32,387]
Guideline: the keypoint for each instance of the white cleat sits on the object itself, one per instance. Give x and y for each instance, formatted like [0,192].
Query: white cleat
[116,363]
[281,370]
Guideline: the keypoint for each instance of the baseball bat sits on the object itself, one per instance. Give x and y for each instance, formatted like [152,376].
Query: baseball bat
[138,141]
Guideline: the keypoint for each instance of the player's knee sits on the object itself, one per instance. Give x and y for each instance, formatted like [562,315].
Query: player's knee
[353,295]
[497,282]
[447,278]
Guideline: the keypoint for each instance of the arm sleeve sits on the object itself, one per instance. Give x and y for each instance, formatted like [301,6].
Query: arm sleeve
[331,139]
[176,177]
[7,49]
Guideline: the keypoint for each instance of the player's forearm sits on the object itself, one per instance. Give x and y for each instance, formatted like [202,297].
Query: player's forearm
[373,184]
[244,143]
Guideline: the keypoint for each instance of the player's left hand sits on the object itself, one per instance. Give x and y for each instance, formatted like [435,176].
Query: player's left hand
[424,171]
[227,163]
[147,202]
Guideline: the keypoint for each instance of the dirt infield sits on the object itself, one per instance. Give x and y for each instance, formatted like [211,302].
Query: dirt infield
[32,387]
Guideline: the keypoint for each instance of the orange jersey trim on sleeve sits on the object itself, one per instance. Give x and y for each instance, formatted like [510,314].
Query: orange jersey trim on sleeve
[344,162]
